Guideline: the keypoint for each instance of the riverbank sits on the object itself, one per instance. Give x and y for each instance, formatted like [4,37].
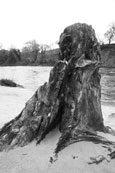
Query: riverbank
[81,157]
[51,56]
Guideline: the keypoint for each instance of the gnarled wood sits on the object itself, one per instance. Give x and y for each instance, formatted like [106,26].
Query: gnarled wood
[71,98]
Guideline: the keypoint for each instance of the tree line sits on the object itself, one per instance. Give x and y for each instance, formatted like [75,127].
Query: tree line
[31,54]
[34,53]
[109,34]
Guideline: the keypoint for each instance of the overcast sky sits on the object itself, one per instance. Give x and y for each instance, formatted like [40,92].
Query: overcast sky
[44,20]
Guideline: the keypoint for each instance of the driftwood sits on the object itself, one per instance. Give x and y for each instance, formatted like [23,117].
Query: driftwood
[70,99]
[9,83]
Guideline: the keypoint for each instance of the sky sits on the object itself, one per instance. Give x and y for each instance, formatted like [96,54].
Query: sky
[45,20]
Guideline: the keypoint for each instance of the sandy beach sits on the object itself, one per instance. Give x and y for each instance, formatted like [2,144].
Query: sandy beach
[57,86]
[76,158]
[81,157]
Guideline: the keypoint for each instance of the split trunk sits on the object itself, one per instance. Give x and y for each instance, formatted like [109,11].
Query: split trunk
[70,99]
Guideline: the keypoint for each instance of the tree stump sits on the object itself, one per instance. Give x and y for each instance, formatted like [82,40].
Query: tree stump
[70,99]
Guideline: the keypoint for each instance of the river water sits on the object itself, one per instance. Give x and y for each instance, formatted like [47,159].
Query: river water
[12,100]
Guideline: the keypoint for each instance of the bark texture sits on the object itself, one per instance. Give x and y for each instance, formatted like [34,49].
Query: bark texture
[70,99]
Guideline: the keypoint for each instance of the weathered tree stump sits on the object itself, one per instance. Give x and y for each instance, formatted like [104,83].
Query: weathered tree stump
[70,99]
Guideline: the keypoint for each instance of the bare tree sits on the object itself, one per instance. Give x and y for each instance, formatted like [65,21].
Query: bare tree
[43,49]
[32,47]
[110,33]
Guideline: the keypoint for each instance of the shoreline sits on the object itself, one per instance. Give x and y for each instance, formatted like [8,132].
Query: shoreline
[81,157]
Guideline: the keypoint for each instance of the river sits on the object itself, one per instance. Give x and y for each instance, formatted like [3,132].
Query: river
[12,100]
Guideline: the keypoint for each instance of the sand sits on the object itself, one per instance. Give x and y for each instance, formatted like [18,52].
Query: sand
[75,158]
